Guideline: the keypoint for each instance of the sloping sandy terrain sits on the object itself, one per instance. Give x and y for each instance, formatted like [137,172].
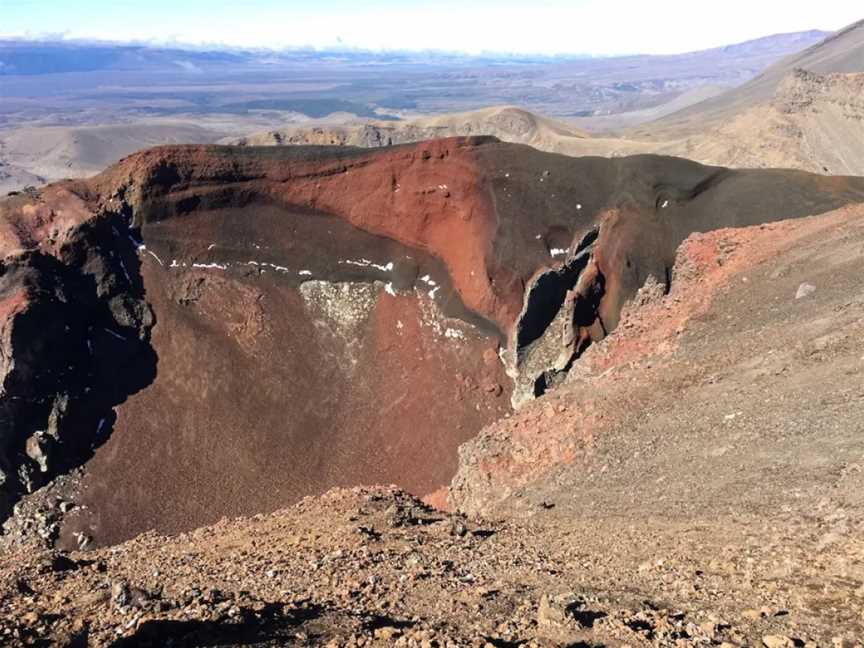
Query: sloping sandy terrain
[803,112]
[34,156]
[507,123]
[744,380]
[841,53]
[813,122]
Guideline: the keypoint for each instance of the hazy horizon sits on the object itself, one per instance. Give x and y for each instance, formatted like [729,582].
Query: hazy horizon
[585,27]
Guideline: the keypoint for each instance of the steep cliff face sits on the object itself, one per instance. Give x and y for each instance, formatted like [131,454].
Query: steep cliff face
[75,343]
[234,328]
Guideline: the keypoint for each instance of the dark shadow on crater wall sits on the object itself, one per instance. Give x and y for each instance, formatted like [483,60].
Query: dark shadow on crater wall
[80,347]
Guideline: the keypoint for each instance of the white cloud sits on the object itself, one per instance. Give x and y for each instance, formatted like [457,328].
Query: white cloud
[586,26]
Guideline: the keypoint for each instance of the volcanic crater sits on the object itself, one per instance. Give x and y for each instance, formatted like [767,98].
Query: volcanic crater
[208,331]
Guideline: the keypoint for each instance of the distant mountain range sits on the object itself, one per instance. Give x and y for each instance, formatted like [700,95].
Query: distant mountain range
[28,57]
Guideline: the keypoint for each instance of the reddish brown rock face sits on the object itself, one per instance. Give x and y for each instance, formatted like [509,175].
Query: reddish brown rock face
[216,331]
[433,197]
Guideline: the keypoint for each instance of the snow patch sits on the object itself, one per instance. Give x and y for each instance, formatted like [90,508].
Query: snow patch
[125,271]
[366,263]
[431,317]
[340,309]
[454,334]
[153,254]
[502,356]
[264,264]
[114,333]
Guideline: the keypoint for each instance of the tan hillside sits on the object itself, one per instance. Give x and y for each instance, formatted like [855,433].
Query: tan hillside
[40,154]
[815,123]
[842,52]
[507,123]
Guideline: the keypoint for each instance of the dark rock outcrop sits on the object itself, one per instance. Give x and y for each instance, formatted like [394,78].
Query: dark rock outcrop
[75,343]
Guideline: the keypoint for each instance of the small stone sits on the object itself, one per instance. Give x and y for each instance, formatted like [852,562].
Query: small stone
[386,633]
[804,290]
[120,593]
[777,641]
[493,388]
[709,628]
[843,642]
[549,614]
[36,448]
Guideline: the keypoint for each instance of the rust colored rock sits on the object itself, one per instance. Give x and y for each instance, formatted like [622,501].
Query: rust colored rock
[514,454]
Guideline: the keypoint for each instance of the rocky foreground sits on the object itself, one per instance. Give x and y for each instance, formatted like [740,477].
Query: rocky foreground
[376,567]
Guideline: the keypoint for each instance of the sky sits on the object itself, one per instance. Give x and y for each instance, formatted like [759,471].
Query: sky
[597,27]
